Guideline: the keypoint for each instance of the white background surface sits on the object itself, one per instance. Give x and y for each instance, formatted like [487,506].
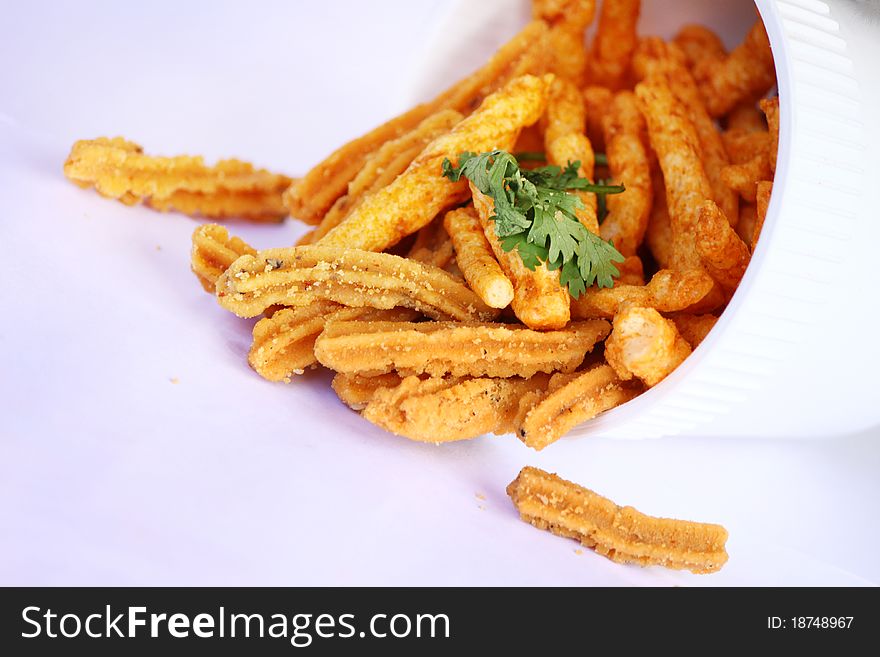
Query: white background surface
[112,474]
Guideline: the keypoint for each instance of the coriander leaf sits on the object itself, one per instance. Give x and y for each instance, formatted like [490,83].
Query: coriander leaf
[530,156]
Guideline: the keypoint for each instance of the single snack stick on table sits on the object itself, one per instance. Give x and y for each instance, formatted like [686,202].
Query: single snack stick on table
[213,251]
[475,259]
[615,40]
[439,410]
[577,400]
[622,534]
[284,344]
[119,169]
[356,391]
[421,192]
[298,276]
[724,254]
[644,344]
[454,348]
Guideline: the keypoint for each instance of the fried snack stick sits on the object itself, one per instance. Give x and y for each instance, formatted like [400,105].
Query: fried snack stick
[356,391]
[475,259]
[724,254]
[565,141]
[383,166]
[764,190]
[645,345]
[694,328]
[622,534]
[459,349]
[119,169]
[748,219]
[316,192]
[744,178]
[421,192]
[299,276]
[747,73]
[432,245]
[577,400]
[443,410]
[628,213]
[770,107]
[746,117]
[539,301]
[596,101]
[213,251]
[659,233]
[743,146]
[675,141]
[658,58]
[568,20]
[284,344]
[699,44]
[615,41]
[632,272]
[668,291]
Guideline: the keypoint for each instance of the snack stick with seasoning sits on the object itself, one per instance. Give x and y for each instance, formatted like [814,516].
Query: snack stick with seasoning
[764,190]
[120,169]
[770,107]
[299,276]
[213,251]
[747,73]
[580,399]
[699,45]
[568,21]
[645,345]
[627,218]
[745,228]
[632,272]
[724,254]
[356,391]
[694,328]
[421,192]
[457,349]
[565,141]
[746,117]
[432,245]
[658,236]
[622,534]
[475,258]
[596,102]
[744,178]
[743,146]
[669,290]
[615,40]
[313,195]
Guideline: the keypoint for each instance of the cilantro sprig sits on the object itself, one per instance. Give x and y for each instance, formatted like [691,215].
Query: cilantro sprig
[536,215]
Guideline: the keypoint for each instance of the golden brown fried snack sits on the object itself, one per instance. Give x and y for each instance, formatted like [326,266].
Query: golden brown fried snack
[632,272]
[744,178]
[119,169]
[628,213]
[213,251]
[699,44]
[748,73]
[301,275]
[442,410]
[421,192]
[659,233]
[284,344]
[743,146]
[475,259]
[668,291]
[745,228]
[615,41]
[568,19]
[770,107]
[596,102]
[357,391]
[433,245]
[383,166]
[572,401]
[459,349]
[764,190]
[311,197]
[539,301]
[645,345]
[724,254]
[622,534]
[694,328]
[746,116]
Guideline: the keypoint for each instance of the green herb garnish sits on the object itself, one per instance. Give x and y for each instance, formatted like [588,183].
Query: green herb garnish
[530,156]
[601,160]
[535,214]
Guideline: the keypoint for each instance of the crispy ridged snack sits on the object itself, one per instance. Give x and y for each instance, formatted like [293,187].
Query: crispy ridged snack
[213,251]
[658,58]
[748,73]
[694,328]
[313,195]
[356,391]
[432,245]
[284,344]
[568,20]
[668,291]
[298,276]
[539,301]
[596,102]
[622,534]
[458,349]
[383,166]
[615,41]
[770,107]
[764,190]
[699,44]
[577,400]
[119,169]
[743,145]
[565,141]
[443,410]
[421,192]
[475,259]
[724,254]
[743,178]
[628,213]
[644,344]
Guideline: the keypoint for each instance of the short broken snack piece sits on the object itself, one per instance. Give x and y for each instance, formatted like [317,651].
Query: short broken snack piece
[213,251]
[621,534]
